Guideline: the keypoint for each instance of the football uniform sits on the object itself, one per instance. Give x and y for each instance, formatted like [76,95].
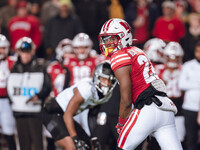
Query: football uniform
[142,77]
[174,93]
[91,98]
[80,69]
[6,115]
[60,77]
[142,71]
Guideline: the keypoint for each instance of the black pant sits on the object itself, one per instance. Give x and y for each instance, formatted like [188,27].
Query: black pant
[192,128]
[52,118]
[29,133]
[108,133]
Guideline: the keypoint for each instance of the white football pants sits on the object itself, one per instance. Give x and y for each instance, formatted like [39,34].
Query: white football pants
[150,120]
[7,120]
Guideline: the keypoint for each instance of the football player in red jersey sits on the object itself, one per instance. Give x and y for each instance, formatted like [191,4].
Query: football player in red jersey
[83,63]
[60,75]
[7,121]
[169,72]
[145,108]
[153,49]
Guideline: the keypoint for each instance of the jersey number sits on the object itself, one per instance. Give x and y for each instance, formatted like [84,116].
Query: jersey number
[148,72]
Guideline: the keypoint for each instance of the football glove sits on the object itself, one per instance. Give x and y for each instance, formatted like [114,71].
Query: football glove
[120,124]
[80,144]
[95,143]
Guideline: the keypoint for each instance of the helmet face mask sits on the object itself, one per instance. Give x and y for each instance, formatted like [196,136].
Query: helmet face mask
[104,79]
[109,44]
[82,52]
[82,45]
[115,28]
[4,45]
[173,53]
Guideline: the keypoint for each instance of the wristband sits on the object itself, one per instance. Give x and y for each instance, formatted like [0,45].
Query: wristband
[122,121]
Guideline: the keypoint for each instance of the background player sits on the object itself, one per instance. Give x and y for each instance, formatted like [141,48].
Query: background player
[85,94]
[7,120]
[169,72]
[84,61]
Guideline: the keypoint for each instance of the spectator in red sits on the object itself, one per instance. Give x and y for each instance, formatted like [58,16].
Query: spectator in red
[24,24]
[141,16]
[168,27]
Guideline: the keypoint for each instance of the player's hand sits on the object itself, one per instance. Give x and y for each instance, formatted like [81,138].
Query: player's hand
[35,100]
[119,127]
[80,144]
[95,143]
[120,124]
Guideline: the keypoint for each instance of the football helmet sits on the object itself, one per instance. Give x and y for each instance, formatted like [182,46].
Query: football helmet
[4,43]
[154,48]
[82,40]
[25,44]
[104,70]
[115,34]
[173,54]
[64,46]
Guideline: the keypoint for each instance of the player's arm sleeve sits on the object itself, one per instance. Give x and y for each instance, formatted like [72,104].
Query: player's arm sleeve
[120,60]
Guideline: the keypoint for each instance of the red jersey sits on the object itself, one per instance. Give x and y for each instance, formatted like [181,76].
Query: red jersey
[142,71]
[80,69]
[29,26]
[58,76]
[170,79]
[5,67]
[169,30]
[142,33]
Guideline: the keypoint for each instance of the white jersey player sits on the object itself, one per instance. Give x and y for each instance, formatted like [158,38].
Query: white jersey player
[7,121]
[85,94]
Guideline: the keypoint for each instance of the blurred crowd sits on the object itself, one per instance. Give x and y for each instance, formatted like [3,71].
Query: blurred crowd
[49,45]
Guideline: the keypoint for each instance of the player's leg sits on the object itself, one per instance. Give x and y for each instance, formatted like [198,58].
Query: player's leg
[166,134]
[66,143]
[139,125]
[8,123]
[54,123]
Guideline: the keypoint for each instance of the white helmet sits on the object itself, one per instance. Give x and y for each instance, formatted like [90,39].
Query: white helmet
[25,44]
[104,70]
[115,28]
[173,50]
[4,43]
[64,46]
[154,49]
[82,40]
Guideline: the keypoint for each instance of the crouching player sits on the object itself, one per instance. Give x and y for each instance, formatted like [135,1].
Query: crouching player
[58,112]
